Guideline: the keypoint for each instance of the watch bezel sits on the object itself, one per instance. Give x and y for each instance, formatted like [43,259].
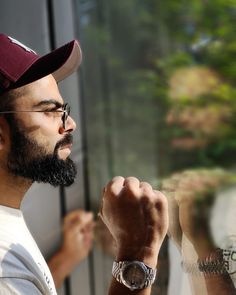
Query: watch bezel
[142,266]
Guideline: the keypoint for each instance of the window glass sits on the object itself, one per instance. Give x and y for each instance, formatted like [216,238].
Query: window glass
[159,95]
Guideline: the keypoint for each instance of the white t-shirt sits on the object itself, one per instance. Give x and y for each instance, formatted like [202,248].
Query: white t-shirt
[23,270]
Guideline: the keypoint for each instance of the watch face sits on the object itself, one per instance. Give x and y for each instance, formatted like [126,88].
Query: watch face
[133,275]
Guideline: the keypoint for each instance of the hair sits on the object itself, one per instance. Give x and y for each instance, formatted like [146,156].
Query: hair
[8,98]
[7,103]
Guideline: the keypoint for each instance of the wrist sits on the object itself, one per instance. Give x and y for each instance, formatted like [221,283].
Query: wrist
[212,264]
[203,250]
[67,259]
[144,254]
[67,262]
[60,267]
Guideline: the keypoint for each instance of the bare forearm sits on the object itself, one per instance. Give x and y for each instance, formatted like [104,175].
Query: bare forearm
[216,284]
[60,267]
[220,285]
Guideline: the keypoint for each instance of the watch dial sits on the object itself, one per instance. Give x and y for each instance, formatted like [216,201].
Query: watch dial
[134,275]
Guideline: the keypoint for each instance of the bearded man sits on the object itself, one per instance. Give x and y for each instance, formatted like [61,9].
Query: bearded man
[35,144]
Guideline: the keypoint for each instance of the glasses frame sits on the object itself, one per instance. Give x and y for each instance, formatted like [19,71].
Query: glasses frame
[65,113]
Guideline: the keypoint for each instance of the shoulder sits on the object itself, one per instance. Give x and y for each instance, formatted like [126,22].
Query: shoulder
[18,267]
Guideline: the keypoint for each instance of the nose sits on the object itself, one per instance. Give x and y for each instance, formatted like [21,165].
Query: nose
[70,126]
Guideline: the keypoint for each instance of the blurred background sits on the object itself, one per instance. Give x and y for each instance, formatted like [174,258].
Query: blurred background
[154,98]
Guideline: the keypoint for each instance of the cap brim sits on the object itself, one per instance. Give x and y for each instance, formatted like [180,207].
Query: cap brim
[61,63]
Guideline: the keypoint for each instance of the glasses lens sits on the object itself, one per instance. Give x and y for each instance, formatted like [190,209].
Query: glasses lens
[66,113]
[67,109]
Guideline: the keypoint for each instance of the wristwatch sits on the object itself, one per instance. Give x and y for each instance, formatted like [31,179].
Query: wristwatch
[213,264]
[135,275]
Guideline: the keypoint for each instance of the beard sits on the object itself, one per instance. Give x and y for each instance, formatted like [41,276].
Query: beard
[30,160]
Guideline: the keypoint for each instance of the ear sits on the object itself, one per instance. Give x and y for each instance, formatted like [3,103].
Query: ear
[4,134]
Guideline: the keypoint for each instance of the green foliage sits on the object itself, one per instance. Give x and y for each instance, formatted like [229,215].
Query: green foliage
[140,45]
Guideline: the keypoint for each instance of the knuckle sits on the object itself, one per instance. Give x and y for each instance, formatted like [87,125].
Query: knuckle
[144,183]
[161,201]
[130,190]
[80,213]
[117,178]
[114,186]
[131,178]
[131,185]
[159,194]
[112,190]
[146,188]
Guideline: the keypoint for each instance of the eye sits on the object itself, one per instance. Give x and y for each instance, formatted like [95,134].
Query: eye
[55,112]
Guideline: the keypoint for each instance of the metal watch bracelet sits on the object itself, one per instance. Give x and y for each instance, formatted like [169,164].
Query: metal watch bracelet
[213,264]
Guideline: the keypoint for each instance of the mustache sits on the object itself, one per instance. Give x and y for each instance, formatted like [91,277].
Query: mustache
[68,139]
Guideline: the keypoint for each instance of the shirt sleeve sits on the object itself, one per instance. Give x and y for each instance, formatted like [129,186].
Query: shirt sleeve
[18,286]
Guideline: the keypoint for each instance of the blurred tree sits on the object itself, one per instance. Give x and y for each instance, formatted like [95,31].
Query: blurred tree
[159,86]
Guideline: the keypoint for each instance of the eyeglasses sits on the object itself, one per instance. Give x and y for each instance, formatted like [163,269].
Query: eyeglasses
[65,113]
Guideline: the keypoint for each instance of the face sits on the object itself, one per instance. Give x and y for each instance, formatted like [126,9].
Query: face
[40,146]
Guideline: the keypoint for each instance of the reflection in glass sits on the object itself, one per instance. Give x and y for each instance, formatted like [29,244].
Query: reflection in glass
[159,91]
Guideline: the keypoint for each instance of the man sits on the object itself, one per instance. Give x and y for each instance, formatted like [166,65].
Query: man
[35,144]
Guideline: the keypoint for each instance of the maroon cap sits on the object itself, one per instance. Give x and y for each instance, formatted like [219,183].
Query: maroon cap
[20,65]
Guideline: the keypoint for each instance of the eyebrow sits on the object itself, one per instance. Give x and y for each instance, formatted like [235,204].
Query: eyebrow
[48,102]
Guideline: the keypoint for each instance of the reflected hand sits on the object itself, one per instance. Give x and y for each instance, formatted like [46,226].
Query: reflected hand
[191,199]
[194,217]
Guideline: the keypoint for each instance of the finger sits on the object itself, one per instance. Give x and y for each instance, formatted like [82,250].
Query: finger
[73,215]
[115,186]
[80,221]
[146,188]
[89,227]
[159,194]
[85,218]
[162,199]
[132,184]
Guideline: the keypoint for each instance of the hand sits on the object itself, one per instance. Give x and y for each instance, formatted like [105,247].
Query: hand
[77,242]
[191,199]
[174,230]
[136,216]
[194,215]
[77,235]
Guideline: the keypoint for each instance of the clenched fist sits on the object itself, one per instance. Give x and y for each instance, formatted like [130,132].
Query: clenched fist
[136,215]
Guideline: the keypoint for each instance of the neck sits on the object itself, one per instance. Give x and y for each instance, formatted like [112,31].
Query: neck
[12,189]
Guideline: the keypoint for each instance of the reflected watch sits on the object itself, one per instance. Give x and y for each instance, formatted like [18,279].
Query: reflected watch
[135,275]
